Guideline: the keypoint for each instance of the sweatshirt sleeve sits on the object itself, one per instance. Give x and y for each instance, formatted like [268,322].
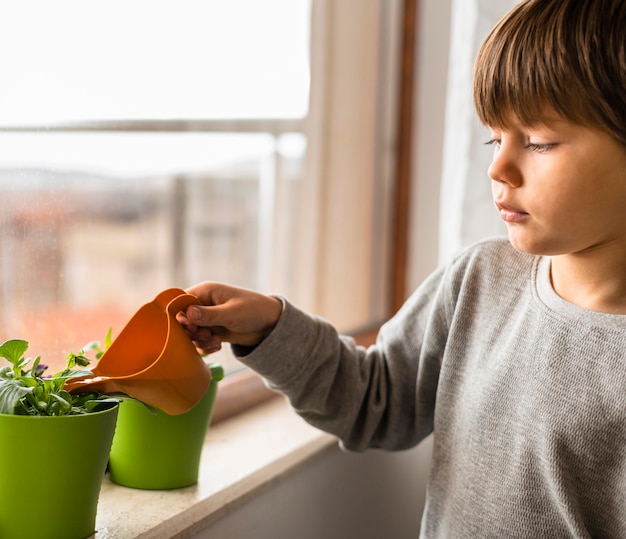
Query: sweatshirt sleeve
[381,396]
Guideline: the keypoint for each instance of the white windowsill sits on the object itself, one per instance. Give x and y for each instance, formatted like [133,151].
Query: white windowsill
[240,456]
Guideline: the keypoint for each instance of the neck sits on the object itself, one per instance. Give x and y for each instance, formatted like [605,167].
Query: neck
[592,280]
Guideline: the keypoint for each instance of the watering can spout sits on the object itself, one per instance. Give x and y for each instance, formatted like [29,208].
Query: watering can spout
[153,359]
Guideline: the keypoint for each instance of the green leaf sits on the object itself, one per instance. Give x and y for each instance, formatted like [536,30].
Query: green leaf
[77,359]
[73,373]
[91,346]
[95,346]
[13,350]
[33,369]
[64,405]
[108,340]
[26,392]
[217,372]
[28,380]
[11,392]
[102,403]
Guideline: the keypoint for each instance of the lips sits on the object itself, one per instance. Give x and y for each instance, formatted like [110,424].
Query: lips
[510,214]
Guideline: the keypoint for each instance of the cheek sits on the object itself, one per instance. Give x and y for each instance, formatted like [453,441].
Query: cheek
[556,199]
[588,196]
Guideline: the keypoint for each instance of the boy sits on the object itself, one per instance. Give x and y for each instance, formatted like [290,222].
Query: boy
[513,355]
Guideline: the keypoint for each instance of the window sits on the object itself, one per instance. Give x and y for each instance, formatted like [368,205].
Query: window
[154,144]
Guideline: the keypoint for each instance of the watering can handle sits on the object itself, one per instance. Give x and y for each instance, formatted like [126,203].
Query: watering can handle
[174,300]
[165,297]
[180,303]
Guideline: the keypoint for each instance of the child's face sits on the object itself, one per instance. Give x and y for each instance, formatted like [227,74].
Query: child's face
[560,187]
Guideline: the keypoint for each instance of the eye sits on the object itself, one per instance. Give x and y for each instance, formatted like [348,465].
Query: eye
[493,142]
[540,148]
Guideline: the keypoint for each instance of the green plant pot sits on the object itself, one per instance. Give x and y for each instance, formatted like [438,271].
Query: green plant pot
[51,470]
[157,451]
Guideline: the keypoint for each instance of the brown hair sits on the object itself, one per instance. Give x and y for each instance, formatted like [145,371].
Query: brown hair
[564,55]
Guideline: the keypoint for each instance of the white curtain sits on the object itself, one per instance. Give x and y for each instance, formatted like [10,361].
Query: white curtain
[466,212]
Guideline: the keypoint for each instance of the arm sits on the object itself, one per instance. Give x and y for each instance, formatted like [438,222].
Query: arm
[382,396]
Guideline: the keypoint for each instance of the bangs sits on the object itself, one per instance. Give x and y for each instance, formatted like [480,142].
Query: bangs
[551,55]
[512,77]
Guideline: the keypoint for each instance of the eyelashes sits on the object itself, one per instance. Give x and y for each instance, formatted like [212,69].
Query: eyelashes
[538,148]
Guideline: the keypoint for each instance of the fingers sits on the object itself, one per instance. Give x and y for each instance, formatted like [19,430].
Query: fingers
[206,340]
[229,314]
[203,316]
[212,293]
[218,304]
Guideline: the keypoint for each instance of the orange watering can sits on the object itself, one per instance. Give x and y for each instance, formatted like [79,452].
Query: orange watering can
[152,359]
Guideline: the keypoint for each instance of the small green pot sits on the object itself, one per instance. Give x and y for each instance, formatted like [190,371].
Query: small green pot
[157,451]
[51,470]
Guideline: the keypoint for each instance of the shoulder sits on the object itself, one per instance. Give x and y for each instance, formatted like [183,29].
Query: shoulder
[485,271]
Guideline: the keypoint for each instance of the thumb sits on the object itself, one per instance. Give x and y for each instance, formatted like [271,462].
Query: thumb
[201,316]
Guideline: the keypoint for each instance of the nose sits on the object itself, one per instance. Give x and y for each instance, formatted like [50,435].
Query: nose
[504,167]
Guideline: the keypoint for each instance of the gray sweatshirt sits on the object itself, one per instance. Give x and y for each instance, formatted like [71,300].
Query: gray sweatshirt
[524,392]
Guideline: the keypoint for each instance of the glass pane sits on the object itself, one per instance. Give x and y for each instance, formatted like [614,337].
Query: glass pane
[93,225]
[72,60]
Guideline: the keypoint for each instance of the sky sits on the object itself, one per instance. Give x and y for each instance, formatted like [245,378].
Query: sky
[76,60]
[71,60]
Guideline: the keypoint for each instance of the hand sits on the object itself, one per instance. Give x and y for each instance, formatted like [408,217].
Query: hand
[229,314]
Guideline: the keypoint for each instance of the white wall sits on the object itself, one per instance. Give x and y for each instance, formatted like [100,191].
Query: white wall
[337,495]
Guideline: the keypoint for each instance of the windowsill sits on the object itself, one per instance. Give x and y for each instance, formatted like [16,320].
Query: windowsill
[241,456]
